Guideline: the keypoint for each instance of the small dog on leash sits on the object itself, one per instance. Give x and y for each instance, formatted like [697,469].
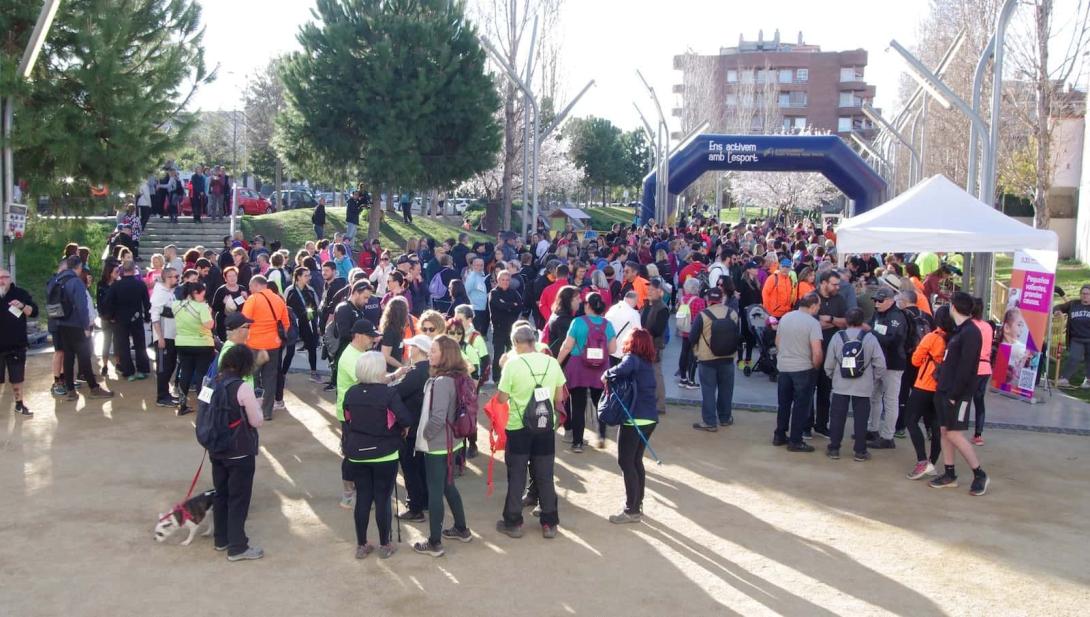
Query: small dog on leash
[188,515]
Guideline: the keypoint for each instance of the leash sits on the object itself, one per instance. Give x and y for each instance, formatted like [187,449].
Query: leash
[180,506]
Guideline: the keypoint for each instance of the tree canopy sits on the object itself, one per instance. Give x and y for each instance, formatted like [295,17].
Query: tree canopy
[394,90]
[103,105]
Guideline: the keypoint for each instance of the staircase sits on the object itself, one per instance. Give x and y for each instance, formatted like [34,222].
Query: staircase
[184,235]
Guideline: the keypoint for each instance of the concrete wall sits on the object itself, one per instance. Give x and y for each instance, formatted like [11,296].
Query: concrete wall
[1064,228]
[1082,220]
[1067,151]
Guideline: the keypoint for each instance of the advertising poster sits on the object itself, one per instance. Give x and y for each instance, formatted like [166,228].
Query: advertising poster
[1025,323]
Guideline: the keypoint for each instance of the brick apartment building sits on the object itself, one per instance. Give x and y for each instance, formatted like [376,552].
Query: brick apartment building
[802,86]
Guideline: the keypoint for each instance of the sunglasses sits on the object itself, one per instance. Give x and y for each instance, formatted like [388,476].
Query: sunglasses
[427,330]
[457,333]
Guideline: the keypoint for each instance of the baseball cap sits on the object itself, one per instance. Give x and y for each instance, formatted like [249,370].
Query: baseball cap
[420,341]
[236,320]
[364,326]
[753,263]
[883,293]
[657,283]
[715,294]
[785,262]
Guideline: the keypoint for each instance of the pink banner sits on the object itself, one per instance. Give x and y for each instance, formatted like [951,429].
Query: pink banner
[1025,324]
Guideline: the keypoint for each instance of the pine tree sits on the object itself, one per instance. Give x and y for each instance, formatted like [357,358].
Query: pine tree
[395,89]
[104,102]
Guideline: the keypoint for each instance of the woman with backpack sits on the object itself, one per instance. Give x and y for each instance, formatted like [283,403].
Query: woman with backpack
[921,405]
[636,366]
[193,340]
[689,304]
[233,469]
[303,302]
[374,417]
[584,354]
[448,388]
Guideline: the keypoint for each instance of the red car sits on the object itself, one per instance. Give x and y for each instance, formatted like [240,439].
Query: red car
[251,202]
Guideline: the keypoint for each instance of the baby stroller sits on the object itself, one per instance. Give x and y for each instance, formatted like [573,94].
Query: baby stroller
[762,324]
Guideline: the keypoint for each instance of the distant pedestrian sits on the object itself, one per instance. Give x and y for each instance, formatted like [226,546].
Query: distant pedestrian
[16,306]
[798,341]
[714,357]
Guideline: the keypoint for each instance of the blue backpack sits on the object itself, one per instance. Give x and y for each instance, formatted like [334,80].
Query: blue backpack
[614,407]
[215,429]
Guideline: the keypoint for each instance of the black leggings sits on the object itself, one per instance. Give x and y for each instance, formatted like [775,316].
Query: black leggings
[630,457]
[579,412]
[193,363]
[374,484]
[686,366]
[285,366]
[749,341]
[978,403]
[921,406]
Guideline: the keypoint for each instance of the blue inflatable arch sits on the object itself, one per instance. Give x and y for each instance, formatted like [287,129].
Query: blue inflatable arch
[824,154]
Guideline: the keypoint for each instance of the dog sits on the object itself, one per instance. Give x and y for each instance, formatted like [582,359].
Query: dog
[188,515]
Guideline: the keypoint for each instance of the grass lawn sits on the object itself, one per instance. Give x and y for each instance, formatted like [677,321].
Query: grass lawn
[1070,276]
[39,251]
[293,228]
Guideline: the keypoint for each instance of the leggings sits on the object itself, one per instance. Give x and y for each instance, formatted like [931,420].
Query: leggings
[749,341]
[285,366]
[374,484]
[978,403]
[193,362]
[107,343]
[921,406]
[579,412]
[630,457]
[686,366]
[435,468]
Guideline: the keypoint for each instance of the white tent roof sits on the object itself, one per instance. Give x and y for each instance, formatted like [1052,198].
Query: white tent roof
[937,215]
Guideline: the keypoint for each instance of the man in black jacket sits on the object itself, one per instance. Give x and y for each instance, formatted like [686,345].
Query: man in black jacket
[957,383]
[890,327]
[504,306]
[15,306]
[346,314]
[459,252]
[654,318]
[333,284]
[126,305]
[411,389]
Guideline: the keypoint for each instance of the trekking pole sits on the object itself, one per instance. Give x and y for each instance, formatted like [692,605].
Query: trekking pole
[397,513]
[639,432]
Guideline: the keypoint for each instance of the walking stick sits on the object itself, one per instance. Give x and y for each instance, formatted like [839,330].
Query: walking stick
[397,513]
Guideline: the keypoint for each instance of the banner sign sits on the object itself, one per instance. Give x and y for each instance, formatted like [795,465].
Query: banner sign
[1025,323]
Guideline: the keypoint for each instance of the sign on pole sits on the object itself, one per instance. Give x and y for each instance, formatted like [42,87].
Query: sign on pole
[1025,323]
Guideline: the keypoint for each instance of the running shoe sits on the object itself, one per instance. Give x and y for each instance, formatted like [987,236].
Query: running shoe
[315,377]
[577,448]
[514,531]
[279,405]
[833,453]
[348,499]
[548,531]
[800,447]
[820,432]
[385,551]
[625,518]
[412,517]
[100,392]
[167,402]
[462,535]
[59,389]
[251,553]
[979,485]
[860,457]
[944,481]
[921,469]
[899,434]
[363,550]
[700,426]
[978,440]
[427,548]
[21,409]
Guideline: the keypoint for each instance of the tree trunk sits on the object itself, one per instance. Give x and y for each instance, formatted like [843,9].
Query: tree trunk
[374,216]
[391,207]
[497,213]
[1042,18]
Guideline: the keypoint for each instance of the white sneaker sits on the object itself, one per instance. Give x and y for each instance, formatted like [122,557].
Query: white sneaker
[278,405]
[348,499]
[1063,383]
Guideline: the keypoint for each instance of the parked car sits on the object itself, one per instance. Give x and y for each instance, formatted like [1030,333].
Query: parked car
[459,204]
[298,199]
[249,201]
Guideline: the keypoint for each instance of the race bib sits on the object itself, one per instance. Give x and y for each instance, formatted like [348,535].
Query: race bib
[206,395]
[847,362]
[541,394]
[15,311]
[595,354]
[880,328]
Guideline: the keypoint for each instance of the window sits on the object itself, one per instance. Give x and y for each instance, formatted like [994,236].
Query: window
[849,99]
[757,123]
[786,76]
[732,76]
[732,100]
[844,124]
[802,75]
[851,73]
[747,76]
[785,99]
[798,99]
[800,122]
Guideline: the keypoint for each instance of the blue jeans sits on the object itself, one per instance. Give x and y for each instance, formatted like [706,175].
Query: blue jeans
[716,392]
[319,232]
[794,393]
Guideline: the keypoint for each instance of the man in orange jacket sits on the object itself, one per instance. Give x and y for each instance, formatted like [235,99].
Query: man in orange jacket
[779,292]
[634,282]
[266,308]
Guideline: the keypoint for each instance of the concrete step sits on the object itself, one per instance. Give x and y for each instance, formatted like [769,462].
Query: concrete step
[185,234]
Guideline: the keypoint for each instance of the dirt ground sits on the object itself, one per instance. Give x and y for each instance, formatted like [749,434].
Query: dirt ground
[732,526]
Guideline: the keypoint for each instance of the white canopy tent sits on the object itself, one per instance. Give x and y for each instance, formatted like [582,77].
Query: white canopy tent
[936,215]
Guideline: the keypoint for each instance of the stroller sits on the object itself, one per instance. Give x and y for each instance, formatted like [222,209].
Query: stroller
[761,323]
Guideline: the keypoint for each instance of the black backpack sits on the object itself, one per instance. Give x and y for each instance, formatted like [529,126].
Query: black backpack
[538,416]
[852,363]
[724,333]
[57,304]
[216,431]
[917,327]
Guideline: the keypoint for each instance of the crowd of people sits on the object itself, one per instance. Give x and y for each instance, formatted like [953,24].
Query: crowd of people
[413,334]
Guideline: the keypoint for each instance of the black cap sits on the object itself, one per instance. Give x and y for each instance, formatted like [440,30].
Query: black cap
[657,283]
[883,293]
[364,326]
[715,294]
[236,320]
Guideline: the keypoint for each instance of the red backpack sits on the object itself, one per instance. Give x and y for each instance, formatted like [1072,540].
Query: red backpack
[595,352]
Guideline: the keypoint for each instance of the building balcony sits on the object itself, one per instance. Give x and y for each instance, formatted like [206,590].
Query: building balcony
[676,112]
[678,89]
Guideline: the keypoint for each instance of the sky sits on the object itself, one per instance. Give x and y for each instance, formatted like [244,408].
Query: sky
[606,40]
